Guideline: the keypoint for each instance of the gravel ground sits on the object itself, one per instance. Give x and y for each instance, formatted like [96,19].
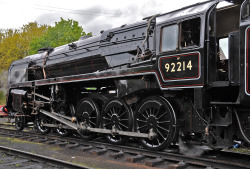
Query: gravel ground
[77,157]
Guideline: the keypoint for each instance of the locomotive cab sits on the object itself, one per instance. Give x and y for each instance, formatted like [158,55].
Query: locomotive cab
[226,62]
[200,51]
[222,35]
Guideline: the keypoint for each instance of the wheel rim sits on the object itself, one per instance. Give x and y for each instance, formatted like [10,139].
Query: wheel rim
[88,113]
[19,121]
[117,114]
[43,120]
[156,113]
[61,131]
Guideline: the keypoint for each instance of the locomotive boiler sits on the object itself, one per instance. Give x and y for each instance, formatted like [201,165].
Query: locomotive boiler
[184,73]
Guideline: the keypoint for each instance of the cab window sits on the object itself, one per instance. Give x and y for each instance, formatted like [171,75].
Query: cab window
[245,10]
[184,35]
[190,33]
[169,39]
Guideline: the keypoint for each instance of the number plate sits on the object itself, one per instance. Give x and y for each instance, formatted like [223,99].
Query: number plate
[180,67]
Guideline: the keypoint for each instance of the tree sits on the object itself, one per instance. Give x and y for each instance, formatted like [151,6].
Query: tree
[3,86]
[64,32]
[15,43]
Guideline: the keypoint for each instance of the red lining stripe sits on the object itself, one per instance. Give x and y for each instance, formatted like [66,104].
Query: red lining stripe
[126,74]
[247,61]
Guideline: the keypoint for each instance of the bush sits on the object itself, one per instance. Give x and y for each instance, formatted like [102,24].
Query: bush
[3,86]
[2,98]
[3,81]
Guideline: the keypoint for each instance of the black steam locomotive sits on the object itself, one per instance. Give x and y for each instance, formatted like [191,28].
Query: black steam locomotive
[185,72]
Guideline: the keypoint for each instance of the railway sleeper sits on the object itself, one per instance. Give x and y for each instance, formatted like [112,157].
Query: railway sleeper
[83,127]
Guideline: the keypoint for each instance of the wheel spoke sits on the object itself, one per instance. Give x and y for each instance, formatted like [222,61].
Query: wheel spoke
[106,124]
[150,111]
[122,114]
[159,122]
[141,127]
[161,134]
[153,111]
[119,127]
[110,115]
[158,111]
[94,124]
[158,141]
[162,115]
[119,112]
[123,122]
[123,125]
[143,121]
[106,118]
[144,116]
[123,119]
[162,128]
[147,113]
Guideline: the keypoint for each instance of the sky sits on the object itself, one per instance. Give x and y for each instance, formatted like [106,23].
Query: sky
[93,15]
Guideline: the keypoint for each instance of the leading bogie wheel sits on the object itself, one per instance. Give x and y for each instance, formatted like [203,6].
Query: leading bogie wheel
[118,115]
[62,131]
[19,121]
[156,114]
[40,121]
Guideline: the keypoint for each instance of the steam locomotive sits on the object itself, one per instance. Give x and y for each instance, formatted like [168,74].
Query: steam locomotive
[184,73]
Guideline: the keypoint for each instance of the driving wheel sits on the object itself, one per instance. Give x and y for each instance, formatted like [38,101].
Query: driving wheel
[118,115]
[156,114]
[88,113]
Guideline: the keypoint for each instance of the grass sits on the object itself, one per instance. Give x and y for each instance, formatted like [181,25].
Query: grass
[54,148]
[2,98]
[17,165]
[16,140]
[241,150]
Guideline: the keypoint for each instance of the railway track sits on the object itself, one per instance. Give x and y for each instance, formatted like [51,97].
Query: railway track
[164,159]
[13,158]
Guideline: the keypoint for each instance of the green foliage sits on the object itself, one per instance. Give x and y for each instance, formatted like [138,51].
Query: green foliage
[64,32]
[14,43]
[2,98]
[3,80]
[17,43]
[3,86]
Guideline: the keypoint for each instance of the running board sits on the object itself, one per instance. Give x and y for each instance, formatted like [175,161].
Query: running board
[84,127]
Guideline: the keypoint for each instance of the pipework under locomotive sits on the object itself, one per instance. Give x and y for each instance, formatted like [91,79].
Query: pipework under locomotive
[168,74]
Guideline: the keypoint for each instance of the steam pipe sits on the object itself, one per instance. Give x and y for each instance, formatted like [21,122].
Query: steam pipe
[44,73]
[242,132]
